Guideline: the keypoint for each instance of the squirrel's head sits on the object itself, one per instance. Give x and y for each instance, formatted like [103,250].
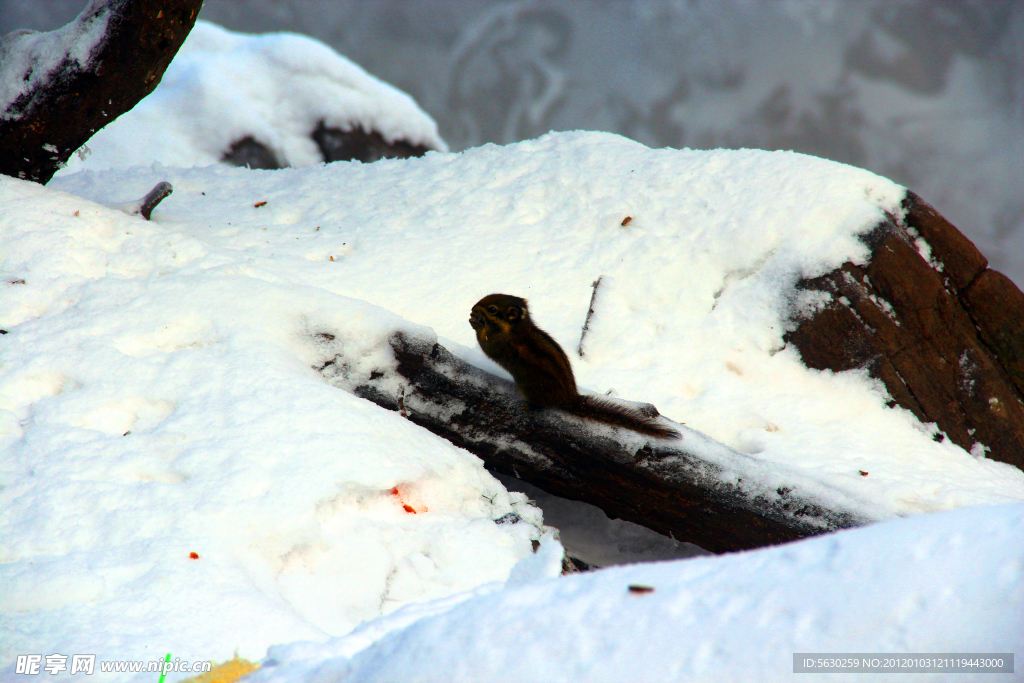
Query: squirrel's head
[498,314]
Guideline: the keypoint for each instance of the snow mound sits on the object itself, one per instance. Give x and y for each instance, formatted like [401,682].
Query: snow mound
[952,582]
[174,474]
[223,86]
[697,288]
[158,396]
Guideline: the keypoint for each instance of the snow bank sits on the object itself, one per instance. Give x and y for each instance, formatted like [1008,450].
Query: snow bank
[157,397]
[151,409]
[695,296]
[952,582]
[224,86]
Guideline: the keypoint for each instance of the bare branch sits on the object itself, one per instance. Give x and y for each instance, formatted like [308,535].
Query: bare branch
[590,313]
[162,190]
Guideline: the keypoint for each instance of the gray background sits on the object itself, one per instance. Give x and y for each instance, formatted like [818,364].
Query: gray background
[929,93]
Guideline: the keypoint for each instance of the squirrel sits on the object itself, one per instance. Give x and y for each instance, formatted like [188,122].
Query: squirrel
[540,368]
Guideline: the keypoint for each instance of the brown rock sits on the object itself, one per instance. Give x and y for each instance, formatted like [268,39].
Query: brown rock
[359,145]
[961,261]
[334,144]
[997,307]
[944,335]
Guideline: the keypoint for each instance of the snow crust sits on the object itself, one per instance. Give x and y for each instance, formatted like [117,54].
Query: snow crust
[951,582]
[157,399]
[224,86]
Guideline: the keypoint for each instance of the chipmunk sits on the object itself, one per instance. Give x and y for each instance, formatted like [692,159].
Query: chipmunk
[541,369]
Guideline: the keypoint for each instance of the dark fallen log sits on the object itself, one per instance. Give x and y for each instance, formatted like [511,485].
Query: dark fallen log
[694,489]
[945,334]
[72,95]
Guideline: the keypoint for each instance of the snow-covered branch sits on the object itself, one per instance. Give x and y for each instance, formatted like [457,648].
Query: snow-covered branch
[58,88]
[694,489]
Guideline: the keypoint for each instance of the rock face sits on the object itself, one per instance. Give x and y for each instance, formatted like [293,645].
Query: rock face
[928,318]
[358,145]
[251,153]
[334,144]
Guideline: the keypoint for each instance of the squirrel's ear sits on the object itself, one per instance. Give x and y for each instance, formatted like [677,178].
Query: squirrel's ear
[513,313]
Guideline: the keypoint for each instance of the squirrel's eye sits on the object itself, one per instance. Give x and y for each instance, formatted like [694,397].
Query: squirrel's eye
[493,310]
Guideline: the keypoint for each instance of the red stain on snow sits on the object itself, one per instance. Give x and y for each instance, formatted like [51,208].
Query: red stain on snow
[405,506]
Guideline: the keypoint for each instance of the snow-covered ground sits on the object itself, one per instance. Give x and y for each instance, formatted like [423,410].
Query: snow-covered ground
[947,583]
[177,478]
[929,94]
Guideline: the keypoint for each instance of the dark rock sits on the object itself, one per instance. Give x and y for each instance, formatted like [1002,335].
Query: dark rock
[945,336]
[574,565]
[251,153]
[508,518]
[334,144]
[358,145]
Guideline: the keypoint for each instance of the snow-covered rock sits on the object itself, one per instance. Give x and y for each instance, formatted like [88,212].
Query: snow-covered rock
[277,88]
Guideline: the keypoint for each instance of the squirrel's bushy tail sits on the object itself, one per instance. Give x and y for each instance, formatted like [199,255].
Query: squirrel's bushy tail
[619,415]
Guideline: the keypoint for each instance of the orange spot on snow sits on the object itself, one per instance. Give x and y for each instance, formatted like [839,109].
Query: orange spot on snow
[405,506]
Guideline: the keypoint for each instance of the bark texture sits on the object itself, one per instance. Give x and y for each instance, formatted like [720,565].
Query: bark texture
[694,490]
[927,317]
[45,125]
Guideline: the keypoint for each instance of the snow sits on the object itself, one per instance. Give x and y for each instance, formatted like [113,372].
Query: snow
[195,424]
[952,582]
[222,87]
[195,335]
[693,303]
[158,400]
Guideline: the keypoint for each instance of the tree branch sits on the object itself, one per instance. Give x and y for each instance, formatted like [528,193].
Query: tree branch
[694,489]
[63,86]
